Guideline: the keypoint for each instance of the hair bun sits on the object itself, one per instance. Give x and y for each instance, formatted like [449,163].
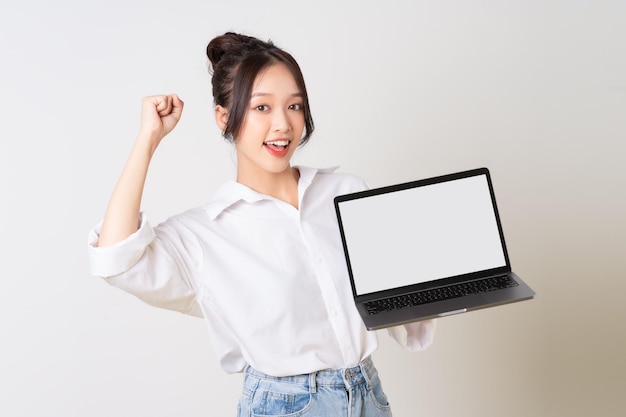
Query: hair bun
[234,44]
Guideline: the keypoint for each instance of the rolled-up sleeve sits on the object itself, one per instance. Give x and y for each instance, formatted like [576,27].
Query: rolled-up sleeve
[414,336]
[142,265]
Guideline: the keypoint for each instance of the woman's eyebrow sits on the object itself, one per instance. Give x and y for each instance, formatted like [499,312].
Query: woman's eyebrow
[262,94]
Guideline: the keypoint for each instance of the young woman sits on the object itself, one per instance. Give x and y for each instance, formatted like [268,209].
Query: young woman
[262,261]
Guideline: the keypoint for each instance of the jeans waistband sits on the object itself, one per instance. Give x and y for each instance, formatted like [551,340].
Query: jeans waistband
[364,372]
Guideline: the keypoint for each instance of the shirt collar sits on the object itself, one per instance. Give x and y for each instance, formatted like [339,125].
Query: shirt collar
[231,192]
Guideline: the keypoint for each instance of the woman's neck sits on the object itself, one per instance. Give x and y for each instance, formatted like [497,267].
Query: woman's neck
[281,185]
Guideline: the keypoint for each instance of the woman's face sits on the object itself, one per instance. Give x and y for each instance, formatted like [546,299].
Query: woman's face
[273,125]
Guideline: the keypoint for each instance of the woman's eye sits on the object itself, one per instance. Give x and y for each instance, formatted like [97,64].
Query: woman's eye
[262,107]
[296,106]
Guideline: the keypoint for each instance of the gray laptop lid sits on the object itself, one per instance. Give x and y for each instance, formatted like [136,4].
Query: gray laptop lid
[404,236]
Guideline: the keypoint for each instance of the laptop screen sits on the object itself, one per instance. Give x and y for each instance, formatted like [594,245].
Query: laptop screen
[414,235]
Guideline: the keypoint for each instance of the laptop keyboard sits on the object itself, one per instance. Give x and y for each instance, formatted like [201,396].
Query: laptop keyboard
[439,294]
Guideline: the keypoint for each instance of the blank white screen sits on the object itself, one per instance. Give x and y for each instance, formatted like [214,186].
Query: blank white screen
[421,234]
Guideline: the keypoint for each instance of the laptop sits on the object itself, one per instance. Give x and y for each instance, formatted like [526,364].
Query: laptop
[426,249]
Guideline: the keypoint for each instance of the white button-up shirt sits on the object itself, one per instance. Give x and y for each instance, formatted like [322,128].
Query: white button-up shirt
[270,280]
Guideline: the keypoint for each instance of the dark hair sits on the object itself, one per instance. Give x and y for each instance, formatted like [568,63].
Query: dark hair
[235,62]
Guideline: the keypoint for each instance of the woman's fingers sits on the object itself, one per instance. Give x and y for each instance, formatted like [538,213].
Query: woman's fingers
[161,113]
[177,106]
[163,105]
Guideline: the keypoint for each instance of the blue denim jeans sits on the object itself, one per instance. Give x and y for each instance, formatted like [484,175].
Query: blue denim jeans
[352,392]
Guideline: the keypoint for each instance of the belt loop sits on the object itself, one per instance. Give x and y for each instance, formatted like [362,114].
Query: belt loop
[312,382]
[365,368]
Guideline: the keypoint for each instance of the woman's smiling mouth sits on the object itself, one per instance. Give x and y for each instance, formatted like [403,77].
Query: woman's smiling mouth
[277,147]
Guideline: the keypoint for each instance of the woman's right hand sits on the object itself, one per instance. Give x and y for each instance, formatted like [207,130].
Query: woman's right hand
[159,115]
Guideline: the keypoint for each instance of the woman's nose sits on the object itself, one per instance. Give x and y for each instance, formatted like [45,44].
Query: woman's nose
[280,122]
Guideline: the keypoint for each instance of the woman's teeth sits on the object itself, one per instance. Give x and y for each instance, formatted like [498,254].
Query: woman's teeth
[278,143]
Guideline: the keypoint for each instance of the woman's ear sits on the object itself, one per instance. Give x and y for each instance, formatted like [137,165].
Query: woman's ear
[221,117]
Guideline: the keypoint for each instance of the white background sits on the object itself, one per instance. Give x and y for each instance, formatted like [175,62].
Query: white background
[400,90]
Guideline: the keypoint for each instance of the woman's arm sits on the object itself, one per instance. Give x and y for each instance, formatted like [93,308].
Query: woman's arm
[159,115]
